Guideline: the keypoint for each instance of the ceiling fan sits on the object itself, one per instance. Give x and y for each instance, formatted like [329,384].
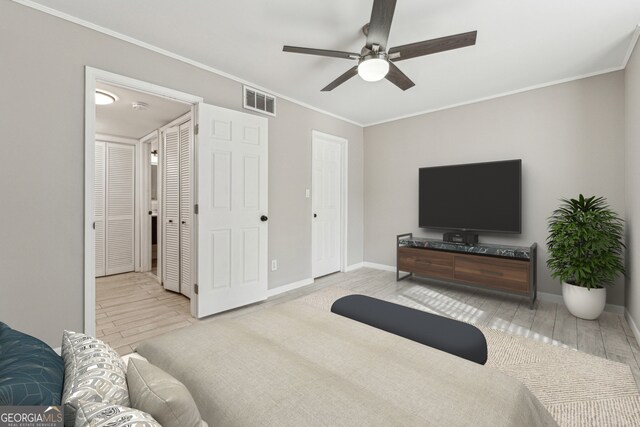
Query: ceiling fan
[375,62]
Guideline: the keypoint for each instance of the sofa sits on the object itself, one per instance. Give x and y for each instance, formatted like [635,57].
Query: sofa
[92,383]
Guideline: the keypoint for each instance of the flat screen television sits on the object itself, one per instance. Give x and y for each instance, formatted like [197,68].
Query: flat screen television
[472,197]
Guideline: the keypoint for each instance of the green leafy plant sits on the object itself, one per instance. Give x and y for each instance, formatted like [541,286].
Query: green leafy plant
[585,242]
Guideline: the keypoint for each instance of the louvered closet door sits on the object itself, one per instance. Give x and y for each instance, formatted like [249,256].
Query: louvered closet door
[186,142]
[171,207]
[99,195]
[120,208]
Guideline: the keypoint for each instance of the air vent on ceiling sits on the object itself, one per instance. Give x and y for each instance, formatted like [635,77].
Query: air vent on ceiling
[259,101]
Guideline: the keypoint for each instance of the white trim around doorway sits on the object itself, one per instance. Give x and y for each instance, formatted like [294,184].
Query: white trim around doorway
[91,76]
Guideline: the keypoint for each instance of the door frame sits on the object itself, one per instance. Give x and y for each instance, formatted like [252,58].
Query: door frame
[344,195]
[144,200]
[92,75]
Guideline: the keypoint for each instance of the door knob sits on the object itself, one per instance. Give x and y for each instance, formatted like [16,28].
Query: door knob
[184,222]
[170,221]
[150,213]
[315,215]
[263,218]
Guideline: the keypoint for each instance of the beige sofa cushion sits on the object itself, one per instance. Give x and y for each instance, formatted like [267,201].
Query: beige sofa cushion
[154,391]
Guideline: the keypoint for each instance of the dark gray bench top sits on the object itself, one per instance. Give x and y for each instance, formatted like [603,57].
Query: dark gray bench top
[454,337]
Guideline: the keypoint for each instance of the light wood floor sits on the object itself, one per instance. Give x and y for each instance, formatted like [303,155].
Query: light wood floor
[133,307]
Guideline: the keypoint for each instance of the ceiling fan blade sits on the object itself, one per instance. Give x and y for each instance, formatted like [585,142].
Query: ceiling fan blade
[343,78]
[380,23]
[428,47]
[398,78]
[321,52]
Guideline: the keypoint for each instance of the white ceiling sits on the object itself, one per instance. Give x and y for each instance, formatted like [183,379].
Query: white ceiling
[120,119]
[520,44]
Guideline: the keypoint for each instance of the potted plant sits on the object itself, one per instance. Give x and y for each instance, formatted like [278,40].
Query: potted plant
[585,253]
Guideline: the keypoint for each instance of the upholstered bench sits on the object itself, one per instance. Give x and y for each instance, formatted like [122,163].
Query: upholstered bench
[454,337]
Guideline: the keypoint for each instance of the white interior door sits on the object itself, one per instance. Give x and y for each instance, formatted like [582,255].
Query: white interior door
[232,173]
[99,219]
[120,208]
[186,208]
[326,204]
[171,210]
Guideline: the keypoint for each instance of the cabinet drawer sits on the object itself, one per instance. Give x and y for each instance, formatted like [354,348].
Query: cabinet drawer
[426,262]
[493,272]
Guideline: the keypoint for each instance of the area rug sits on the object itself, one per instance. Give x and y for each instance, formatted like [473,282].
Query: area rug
[578,389]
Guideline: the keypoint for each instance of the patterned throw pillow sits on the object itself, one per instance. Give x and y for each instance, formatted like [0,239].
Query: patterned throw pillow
[31,373]
[93,372]
[106,415]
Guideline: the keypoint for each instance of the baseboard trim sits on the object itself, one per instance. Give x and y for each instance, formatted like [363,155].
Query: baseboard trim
[354,267]
[632,325]
[290,287]
[610,308]
[378,266]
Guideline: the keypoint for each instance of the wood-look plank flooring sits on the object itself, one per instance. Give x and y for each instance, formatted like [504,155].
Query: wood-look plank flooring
[133,307]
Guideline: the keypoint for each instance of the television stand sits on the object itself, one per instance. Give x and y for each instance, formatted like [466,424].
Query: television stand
[509,269]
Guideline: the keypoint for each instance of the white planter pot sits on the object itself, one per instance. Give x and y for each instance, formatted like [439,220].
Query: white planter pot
[582,302]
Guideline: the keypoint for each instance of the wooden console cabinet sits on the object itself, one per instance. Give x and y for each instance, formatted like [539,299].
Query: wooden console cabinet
[510,269]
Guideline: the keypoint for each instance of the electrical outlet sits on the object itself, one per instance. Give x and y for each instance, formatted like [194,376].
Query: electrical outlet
[274,264]
[307,193]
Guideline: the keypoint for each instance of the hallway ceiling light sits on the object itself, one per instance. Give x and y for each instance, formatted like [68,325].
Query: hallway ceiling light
[104,97]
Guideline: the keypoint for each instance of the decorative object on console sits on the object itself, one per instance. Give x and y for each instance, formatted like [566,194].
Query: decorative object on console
[31,373]
[154,391]
[585,252]
[499,267]
[93,372]
[449,335]
[464,238]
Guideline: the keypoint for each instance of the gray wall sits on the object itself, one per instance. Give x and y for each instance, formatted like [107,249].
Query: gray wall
[42,161]
[570,138]
[632,103]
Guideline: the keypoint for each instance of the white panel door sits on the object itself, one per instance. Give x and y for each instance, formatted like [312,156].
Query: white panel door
[171,210]
[99,219]
[232,173]
[326,204]
[186,208]
[120,208]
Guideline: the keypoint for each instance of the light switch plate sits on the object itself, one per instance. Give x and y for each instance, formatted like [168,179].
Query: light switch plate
[307,193]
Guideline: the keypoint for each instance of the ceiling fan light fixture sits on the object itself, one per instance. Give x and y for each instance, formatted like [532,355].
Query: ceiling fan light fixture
[373,69]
